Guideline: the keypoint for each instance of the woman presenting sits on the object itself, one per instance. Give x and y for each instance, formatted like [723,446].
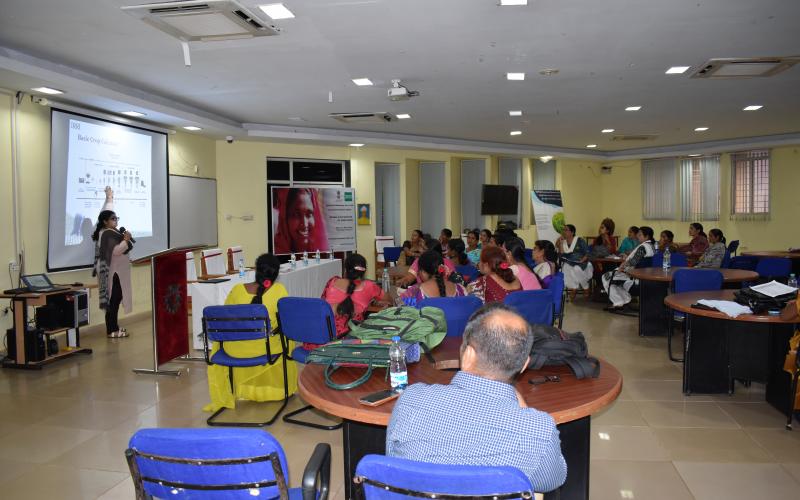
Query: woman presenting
[112,266]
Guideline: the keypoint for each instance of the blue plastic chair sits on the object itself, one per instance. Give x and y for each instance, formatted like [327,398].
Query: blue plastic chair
[772,268]
[379,477]
[691,280]
[746,262]
[457,311]
[468,272]
[557,291]
[529,258]
[220,463]
[726,260]
[536,306]
[236,323]
[675,260]
[392,254]
[308,320]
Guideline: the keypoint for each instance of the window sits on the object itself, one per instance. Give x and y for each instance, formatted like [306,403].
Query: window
[700,188]
[544,175]
[511,175]
[750,185]
[658,189]
[473,176]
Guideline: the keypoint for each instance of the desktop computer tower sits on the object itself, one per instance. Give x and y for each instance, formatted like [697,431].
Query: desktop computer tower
[35,346]
[64,310]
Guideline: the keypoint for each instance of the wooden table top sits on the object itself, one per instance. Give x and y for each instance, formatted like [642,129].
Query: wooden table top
[608,260]
[683,302]
[658,274]
[565,401]
[776,253]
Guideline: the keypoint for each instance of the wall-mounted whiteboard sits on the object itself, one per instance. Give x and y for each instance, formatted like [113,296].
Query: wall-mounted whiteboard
[192,211]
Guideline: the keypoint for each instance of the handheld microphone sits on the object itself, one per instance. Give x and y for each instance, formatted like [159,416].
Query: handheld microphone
[122,231]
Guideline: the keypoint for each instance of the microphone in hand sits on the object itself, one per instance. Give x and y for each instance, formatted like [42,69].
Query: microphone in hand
[122,231]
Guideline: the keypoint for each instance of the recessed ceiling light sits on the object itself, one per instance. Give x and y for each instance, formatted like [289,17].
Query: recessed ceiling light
[604,436]
[701,129]
[47,90]
[607,130]
[403,116]
[515,76]
[508,3]
[549,72]
[192,128]
[545,158]
[694,155]
[134,114]
[754,107]
[677,70]
[515,113]
[633,108]
[276,11]
[356,145]
[515,132]
[591,146]
[361,82]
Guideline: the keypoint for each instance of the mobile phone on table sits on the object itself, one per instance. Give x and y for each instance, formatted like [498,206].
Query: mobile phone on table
[378,398]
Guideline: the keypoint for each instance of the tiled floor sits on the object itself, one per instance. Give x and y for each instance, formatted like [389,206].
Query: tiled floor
[63,429]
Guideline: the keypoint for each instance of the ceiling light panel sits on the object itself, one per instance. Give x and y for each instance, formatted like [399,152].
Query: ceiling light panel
[607,130]
[515,113]
[633,108]
[276,11]
[510,3]
[356,145]
[134,114]
[192,128]
[701,129]
[515,76]
[591,146]
[752,107]
[677,70]
[403,116]
[47,90]
[515,132]
[362,82]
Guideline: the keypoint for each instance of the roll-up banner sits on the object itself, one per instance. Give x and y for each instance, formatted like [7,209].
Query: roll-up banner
[548,212]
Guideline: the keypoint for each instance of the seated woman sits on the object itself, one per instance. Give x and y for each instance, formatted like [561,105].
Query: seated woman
[456,252]
[574,258]
[412,276]
[349,296]
[545,257]
[486,239]
[433,277]
[473,247]
[714,255]
[256,383]
[665,241]
[515,254]
[630,242]
[618,283]
[498,279]
[699,244]
[604,244]
[416,247]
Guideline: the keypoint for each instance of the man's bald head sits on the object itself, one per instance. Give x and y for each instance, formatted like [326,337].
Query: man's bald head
[501,338]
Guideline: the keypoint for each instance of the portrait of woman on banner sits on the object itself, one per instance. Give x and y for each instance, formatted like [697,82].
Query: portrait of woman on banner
[298,221]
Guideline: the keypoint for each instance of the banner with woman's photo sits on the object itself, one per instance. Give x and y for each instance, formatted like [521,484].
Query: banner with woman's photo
[548,212]
[307,219]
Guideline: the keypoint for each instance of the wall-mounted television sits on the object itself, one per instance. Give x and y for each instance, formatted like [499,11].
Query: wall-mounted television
[499,200]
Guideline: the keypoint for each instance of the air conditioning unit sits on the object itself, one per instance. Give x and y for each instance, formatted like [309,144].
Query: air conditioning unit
[381,117]
[203,21]
[744,67]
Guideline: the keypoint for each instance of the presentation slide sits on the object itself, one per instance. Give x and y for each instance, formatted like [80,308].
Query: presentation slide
[89,154]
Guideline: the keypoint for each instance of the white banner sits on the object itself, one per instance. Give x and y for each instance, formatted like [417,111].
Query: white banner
[548,212]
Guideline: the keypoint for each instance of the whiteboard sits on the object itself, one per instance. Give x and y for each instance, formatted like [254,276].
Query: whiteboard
[192,211]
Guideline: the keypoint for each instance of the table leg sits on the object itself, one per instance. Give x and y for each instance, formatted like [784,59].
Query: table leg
[778,381]
[652,316]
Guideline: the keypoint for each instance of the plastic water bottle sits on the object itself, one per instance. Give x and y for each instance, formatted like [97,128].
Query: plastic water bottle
[398,373]
[241,268]
[293,262]
[792,281]
[386,283]
[305,258]
[317,257]
[666,264]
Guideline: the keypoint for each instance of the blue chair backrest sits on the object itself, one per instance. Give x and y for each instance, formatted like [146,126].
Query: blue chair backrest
[744,262]
[696,280]
[733,246]
[645,262]
[536,306]
[173,457]
[236,322]
[557,290]
[468,271]
[392,254]
[404,476]
[658,260]
[306,320]
[774,267]
[726,260]
[457,311]
[529,258]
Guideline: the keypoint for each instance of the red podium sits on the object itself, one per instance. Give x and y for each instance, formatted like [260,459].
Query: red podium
[170,307]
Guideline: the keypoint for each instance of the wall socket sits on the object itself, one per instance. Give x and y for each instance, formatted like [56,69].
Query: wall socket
[13,266]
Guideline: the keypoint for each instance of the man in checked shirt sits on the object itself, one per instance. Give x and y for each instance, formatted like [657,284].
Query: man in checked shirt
[480,418]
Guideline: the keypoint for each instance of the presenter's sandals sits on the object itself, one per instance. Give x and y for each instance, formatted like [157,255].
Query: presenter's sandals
[118,334]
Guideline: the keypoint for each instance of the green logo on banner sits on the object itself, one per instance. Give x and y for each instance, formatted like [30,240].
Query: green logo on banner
[348,196]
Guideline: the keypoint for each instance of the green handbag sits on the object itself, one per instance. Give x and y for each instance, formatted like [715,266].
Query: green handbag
[367,354]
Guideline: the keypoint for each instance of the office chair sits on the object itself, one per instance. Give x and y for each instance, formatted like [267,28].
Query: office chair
[536,306]
[559,297]
[733,246]
[774,268]
[690,280]
[675,260]
[468,272]
[392,254]
[746,262]
[457,311]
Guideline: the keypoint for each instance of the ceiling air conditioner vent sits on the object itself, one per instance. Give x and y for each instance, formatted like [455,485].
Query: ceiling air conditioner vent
[203,21]
[362,117]
[744,68]
[635,137]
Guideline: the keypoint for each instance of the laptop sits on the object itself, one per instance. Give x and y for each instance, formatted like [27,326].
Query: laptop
[39,283]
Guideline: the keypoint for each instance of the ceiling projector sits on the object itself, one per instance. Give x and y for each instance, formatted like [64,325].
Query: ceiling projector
[399,93]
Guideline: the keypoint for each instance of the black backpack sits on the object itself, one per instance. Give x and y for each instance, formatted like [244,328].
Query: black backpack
[760,303]
[553,347]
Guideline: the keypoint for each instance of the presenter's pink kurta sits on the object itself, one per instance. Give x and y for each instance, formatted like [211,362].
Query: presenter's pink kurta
[121,266]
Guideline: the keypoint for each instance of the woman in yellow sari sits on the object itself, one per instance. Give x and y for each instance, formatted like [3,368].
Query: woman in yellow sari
[256,383]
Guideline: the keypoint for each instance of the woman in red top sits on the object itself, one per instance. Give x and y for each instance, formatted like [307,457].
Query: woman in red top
[498,279]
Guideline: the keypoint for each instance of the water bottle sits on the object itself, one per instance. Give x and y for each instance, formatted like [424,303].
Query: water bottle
[666,263]
[241,268]
[317,257]
[792,281]
[386,284]
[305,258]
[398,374]
[293,262]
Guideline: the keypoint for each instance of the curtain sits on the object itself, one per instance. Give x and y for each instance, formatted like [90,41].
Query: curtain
[658,189]
[699,188]
[544,174]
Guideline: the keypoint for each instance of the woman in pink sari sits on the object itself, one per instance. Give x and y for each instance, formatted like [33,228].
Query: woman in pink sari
[298,220]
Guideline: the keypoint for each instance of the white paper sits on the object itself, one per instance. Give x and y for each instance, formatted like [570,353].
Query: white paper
[773,289]
[732,309]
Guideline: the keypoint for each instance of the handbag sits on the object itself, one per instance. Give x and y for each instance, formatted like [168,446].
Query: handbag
[369,354]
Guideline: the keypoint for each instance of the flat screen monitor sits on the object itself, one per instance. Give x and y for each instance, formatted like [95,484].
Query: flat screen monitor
[499,200]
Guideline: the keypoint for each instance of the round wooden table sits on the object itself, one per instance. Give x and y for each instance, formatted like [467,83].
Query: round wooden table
[654,284]
[719,349]
[571,402]
[794,256]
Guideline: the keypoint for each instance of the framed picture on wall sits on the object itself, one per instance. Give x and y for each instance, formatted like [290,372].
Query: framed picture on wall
[363,214]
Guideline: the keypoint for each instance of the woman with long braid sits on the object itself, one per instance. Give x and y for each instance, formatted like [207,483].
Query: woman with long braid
[434,282]
[257,383]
